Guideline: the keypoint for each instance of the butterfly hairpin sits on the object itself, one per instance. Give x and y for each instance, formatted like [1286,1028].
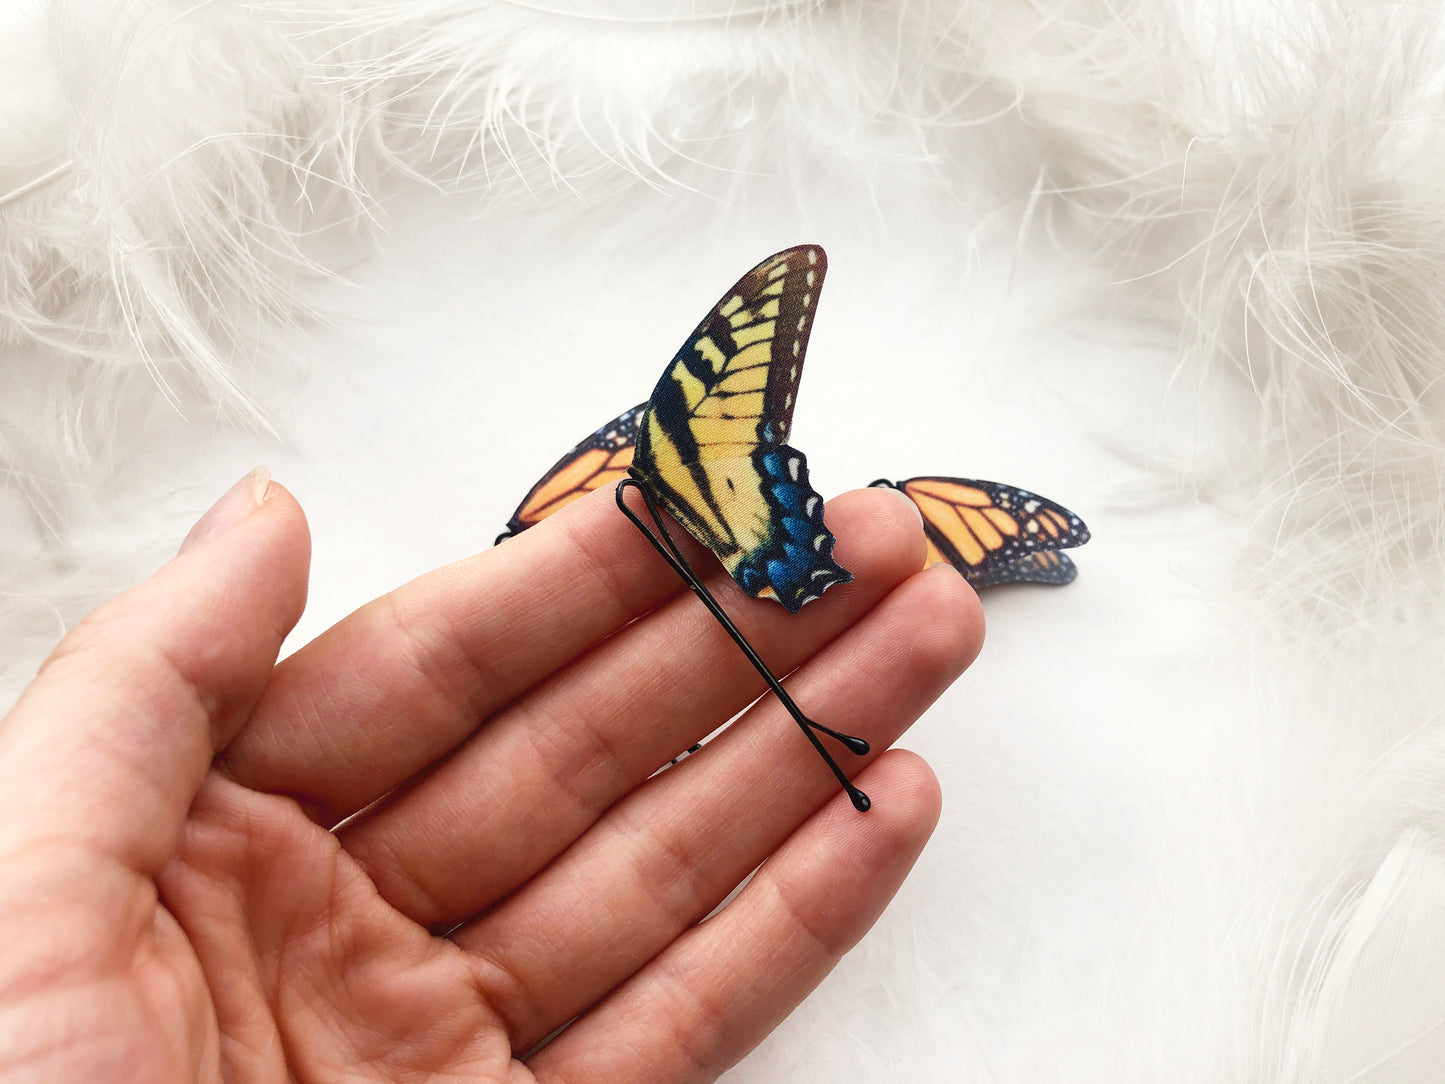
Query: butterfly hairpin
[975,525]
[710,447]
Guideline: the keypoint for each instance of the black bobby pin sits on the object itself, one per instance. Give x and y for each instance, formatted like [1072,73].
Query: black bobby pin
[673,556]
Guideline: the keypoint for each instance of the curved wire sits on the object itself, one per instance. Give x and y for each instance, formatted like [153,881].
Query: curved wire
[673,556]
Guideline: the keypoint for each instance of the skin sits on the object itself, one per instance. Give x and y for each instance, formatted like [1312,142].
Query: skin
[182,900]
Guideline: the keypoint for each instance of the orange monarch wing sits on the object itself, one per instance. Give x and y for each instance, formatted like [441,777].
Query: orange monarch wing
[994,533]
[601,459]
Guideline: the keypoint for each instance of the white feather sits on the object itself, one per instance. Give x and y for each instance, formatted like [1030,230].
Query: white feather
[206,146]
[1265,182]
[1373,1012]
[1272,175]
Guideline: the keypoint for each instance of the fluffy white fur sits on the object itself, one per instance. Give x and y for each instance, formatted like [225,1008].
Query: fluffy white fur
[195,152]
[1264,184]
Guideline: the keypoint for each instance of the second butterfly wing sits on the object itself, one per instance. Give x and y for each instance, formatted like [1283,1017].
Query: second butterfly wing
[601,459]
[995,533]
[1046,566]
[712,445]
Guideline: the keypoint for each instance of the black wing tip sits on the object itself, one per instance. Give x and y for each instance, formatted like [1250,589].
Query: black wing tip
[1078,531]
[811,256]
[1076,537]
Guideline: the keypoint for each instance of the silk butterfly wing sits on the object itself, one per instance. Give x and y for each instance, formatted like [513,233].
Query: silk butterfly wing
[995,533]
[1045,566]
[712,445]
[600,459]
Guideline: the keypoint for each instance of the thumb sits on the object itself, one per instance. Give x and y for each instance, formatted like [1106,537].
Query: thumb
[107,747]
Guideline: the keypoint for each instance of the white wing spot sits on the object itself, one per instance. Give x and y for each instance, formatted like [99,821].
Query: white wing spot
[793,467]
[1031,507]
[811,506]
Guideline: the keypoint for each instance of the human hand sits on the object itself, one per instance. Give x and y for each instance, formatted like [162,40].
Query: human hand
[429,839]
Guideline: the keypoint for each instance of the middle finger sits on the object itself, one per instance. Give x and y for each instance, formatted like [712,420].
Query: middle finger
[520,791]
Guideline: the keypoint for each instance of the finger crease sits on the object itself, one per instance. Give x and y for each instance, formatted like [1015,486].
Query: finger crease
[433,657]
[661,861]
[795,913]
[501,989]
[699,1030]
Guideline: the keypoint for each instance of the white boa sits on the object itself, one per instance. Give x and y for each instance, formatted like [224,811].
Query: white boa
[1262,191]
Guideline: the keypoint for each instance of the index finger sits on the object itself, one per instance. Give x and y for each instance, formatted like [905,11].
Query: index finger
[107,747]
[408,677]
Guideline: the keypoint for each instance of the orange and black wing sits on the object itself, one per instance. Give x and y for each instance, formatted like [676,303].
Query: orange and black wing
[994,533]
[601,459]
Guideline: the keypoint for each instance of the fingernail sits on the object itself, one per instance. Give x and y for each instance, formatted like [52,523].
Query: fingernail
[948,565]
[231,509]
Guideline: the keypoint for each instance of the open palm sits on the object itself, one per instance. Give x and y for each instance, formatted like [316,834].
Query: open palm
[428,840]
